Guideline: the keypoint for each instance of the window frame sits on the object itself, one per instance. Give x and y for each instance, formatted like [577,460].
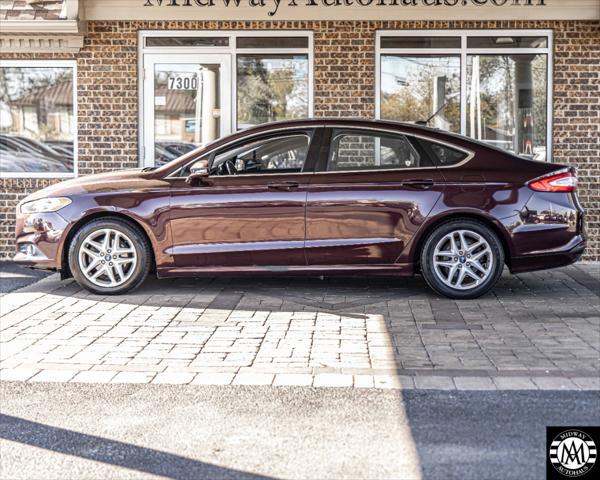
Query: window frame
[50,64]
[233,53]
[337,133]
[464,51]
[327,145]
[314,133]
[308,133]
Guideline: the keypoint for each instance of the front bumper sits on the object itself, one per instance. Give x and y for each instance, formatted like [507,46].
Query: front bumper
[39,240]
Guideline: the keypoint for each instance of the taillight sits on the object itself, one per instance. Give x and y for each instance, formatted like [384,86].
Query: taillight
[555,182]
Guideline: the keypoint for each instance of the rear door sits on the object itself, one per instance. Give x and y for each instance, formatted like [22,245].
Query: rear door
[372,191]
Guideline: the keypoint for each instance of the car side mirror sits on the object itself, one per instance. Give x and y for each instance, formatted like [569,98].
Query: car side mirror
[198,173]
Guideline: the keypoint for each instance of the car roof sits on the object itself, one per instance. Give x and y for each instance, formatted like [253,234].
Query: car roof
[338,121]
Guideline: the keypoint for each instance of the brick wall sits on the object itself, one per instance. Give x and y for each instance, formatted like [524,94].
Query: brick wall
[344,85]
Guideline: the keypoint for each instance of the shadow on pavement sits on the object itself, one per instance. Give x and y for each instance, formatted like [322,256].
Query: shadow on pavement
[14,277]
[495,434]
[112,452]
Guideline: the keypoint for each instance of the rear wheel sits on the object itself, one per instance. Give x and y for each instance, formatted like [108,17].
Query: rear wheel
[462,259]
[109,256]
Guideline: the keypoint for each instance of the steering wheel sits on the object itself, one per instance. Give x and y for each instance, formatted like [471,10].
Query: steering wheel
[229,165]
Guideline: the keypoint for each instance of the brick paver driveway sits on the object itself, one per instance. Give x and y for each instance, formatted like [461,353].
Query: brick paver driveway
[537,330]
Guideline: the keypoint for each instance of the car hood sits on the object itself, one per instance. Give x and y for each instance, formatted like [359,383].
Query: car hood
[130,180]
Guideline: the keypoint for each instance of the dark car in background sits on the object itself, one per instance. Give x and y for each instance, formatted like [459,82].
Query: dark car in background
[312,197]
[23,154]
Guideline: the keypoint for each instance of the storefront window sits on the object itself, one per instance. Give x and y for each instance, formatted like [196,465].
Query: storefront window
[199,87]
[186,108]
[506,102]
[270,88]
[37,119]
[421,87]
[492,86]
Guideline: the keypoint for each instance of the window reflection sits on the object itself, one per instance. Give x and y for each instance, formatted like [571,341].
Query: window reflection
[186,108]
[36,120]
[273,155]
[356,151]
[270,88]
[502,99]
[506,102]
[421,87]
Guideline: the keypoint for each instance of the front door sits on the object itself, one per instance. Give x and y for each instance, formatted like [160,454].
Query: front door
[186,103]
[371,194]
[249,212]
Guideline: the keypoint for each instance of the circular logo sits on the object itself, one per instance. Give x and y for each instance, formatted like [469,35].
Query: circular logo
[572,453]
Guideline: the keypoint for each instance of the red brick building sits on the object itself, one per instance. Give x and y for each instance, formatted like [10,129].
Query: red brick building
[94,85]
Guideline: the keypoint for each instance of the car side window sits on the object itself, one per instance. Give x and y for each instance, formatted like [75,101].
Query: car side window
[282,154]
[443,154]
[372,151]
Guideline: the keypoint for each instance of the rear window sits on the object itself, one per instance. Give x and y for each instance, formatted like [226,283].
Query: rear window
[365,150]
[444,155]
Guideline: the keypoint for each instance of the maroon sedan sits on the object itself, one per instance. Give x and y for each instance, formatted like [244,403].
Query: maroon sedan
[316,197]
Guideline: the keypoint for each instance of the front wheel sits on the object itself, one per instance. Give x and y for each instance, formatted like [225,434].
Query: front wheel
[462,259]
[109,256]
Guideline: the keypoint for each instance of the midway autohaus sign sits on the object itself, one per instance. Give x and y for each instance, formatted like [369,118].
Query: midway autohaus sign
[273,5]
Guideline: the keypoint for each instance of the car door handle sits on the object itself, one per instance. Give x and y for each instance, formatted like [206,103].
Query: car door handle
[285,186]
[420,184]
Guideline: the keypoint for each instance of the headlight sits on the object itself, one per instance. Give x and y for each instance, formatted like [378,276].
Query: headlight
[45,205]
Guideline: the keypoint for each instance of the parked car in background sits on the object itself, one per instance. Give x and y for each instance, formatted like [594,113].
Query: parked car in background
[23,154]
[312,197]
[166,151]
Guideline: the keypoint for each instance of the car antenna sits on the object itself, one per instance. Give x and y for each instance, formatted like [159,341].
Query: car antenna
[426,122]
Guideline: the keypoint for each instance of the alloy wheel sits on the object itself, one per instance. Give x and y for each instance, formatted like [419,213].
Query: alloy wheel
[107,257]
[463,259]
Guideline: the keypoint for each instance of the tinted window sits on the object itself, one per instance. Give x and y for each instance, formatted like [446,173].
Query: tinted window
[420,42]
[443,154]
[507,42]
[357,151]
[187,41]
[273,155]
[272,42]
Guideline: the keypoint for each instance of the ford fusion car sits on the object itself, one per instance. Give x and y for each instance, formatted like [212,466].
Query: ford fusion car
[312,197]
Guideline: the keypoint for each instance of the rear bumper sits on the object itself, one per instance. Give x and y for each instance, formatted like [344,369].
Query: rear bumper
[559,258]
[548,232]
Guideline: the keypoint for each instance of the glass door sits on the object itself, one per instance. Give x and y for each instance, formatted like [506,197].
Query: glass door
[186,103]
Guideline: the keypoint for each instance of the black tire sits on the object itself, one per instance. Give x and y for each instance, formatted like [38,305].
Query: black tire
[427,254]
[141,245]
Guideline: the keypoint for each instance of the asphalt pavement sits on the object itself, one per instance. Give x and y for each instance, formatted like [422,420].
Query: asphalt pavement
[13,277]
[68,431]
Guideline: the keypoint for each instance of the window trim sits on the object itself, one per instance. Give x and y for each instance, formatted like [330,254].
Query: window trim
[336,133]
[463,52]
[312,132]
[321,167]
[230,50]
[308,133]
[50,64]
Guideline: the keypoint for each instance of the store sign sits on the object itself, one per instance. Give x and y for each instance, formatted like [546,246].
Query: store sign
[273,5]
[352,10]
